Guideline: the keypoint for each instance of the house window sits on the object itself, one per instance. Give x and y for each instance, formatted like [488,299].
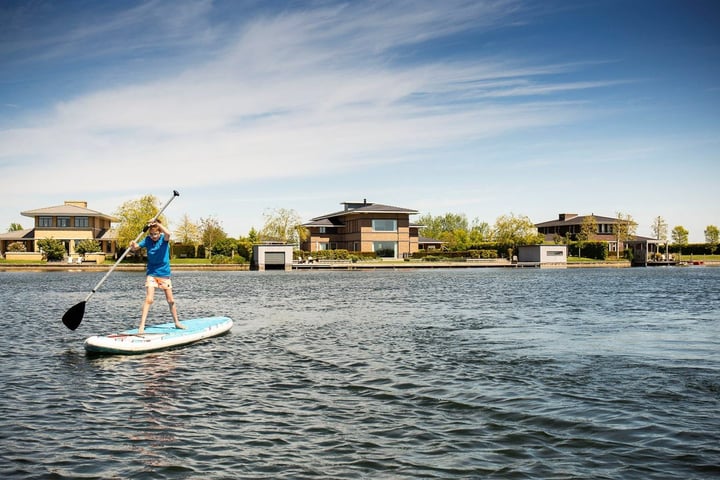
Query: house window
[44,221]
[554,253]
[323,229]
[323,246]
[384,225]
[81,222]
[385,249]
[63,221]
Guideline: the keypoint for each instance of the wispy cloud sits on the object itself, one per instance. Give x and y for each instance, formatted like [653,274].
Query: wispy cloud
[40,31]
[289,93]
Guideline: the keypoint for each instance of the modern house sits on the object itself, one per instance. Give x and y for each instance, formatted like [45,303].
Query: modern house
[364,227]
[569,225]
[71,223]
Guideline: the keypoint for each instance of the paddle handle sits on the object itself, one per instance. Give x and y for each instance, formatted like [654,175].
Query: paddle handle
[127,250]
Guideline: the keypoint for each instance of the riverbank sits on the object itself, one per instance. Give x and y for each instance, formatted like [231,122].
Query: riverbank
[130,267]
[329,265]
[123,267]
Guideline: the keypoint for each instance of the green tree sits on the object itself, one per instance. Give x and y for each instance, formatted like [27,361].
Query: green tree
[253,236]
[15,227]
[134,216]
[451,228]
[512,231]
[457,239]
[52,248]
[283,225]
[435,226]
[480,232]
[211,233]
[226,247]
[245,244]
[712,237]
[680,237]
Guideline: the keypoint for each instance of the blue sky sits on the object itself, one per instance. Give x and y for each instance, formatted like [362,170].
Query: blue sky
[483,108]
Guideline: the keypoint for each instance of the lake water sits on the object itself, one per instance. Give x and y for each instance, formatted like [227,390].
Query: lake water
[482,373]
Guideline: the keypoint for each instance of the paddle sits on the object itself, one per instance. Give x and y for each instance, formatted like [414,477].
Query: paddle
[74,315]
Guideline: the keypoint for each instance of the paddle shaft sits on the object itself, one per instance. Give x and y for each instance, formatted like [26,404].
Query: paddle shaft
[127,250]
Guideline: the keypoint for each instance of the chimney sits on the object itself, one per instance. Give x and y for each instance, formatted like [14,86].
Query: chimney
[76,203]
[567,216]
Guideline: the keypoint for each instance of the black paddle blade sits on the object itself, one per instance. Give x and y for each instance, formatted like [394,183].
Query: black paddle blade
[74,316]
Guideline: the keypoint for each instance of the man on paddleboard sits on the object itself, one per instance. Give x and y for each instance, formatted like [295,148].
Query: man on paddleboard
[157,244]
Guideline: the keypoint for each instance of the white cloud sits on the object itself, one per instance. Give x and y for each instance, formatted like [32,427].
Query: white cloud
[288,94]
[292,93]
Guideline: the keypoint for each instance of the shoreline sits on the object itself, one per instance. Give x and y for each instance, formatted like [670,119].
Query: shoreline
[140,267]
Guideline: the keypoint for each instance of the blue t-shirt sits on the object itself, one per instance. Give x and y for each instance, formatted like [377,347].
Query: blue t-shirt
[158,253]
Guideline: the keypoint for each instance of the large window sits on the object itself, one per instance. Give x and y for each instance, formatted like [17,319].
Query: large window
[384,225]
[44,221]
[81,222]
[385,249]
[63,221]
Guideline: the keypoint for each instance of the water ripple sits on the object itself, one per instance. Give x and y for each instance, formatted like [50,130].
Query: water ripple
[428,374]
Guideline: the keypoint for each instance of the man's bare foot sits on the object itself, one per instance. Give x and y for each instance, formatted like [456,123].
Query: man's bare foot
[180,326]
[141,331]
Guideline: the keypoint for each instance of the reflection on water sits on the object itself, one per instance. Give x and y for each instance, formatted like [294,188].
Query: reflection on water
[423,374]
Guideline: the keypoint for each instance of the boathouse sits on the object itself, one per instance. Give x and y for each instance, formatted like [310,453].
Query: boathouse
[272,256]
[543,255]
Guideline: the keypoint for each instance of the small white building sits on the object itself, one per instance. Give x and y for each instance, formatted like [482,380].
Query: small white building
[543,255]
[272,256]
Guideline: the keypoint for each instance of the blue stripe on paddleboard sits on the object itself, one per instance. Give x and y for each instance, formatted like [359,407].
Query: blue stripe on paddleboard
[192,325]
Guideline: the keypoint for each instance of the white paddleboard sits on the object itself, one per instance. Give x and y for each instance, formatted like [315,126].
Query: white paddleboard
[158,337]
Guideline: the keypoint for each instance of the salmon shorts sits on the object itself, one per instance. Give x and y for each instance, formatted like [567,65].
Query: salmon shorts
[157,282]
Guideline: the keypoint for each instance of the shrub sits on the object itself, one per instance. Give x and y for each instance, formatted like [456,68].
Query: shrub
[87,246]
[594,250]
[220,259]
[53,249]
[183,251]
[16,247]
[224,259]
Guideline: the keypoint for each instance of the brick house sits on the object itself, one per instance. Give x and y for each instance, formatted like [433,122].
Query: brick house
[568,225]
[71,223]
[364,227]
